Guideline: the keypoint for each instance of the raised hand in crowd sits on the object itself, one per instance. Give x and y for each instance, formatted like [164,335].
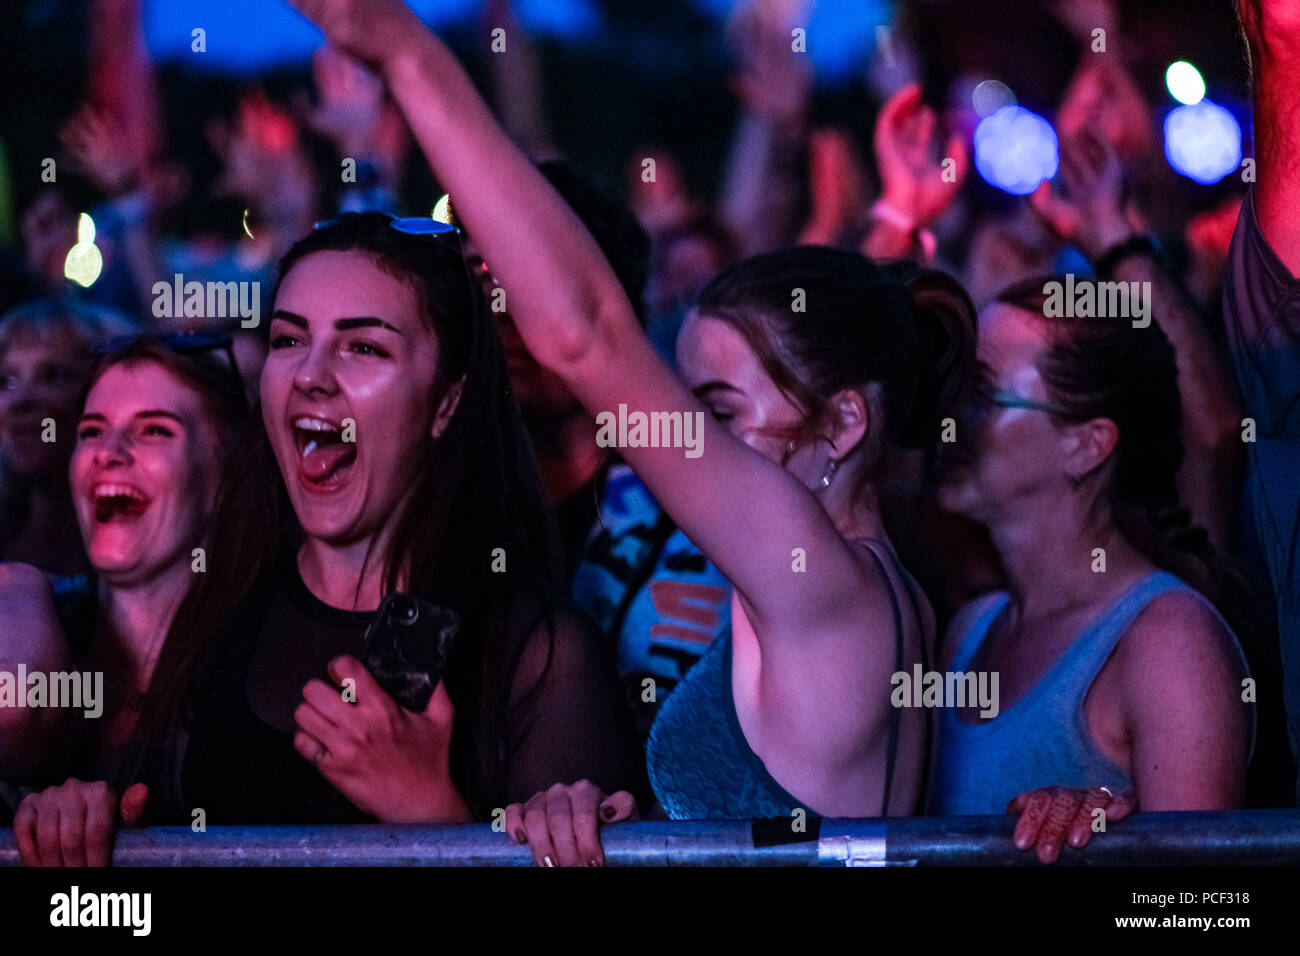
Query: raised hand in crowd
[917,183]
[351,102]
[1087,207]
[762,186]
[98,150]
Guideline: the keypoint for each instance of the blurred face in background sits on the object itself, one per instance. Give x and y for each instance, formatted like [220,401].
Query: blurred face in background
[144,473]
[49,231]
[687,262]
[541,394]
[41,378]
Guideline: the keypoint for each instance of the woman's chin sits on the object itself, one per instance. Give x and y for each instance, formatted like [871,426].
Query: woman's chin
[123,569]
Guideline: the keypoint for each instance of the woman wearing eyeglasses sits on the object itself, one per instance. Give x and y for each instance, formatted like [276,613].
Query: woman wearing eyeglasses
[1118,682]
[161,422]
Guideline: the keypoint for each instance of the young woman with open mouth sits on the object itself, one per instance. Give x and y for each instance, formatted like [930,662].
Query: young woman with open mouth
[792,711]
[407,467]
[159,421]
[405,460]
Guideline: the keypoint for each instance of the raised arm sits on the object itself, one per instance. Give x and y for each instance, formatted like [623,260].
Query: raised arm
[746,513]
[763,182]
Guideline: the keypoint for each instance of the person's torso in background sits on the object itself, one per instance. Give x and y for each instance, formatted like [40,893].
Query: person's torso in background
[650,591]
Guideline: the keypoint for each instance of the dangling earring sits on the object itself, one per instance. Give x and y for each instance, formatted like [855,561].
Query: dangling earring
[829,473]
[789,450]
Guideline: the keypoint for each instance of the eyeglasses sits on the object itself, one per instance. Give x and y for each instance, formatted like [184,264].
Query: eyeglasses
[190,344]
[986,396]
[1004,399]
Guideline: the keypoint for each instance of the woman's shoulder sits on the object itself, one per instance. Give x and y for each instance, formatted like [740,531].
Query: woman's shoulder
[23,582]
[1177,630]
[544,622]
[30,609]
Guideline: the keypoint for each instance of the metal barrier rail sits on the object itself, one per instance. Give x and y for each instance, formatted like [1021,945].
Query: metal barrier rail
[1239,838]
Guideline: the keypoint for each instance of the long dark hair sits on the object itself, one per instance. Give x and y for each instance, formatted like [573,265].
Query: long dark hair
[477,490]
[235,557]
[911,330]
[1107,368]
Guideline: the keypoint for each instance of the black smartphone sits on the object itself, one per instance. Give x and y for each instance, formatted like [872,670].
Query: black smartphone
[406,646]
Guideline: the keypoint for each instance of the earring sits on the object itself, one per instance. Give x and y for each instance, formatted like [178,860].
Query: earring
[829,473]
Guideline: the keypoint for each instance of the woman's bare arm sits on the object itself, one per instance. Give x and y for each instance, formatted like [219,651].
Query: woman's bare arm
[746,513]
[1189,728]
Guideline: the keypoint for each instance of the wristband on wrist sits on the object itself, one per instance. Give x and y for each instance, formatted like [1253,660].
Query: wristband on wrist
[1106,263]
[886,212]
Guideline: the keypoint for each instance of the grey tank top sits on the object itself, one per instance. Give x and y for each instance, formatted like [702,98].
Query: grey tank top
[1041,740]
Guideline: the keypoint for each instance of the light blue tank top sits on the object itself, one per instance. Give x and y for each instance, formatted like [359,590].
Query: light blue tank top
[1041,740]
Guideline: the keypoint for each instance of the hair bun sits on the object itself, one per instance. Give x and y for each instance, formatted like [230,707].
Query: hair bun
[946,325]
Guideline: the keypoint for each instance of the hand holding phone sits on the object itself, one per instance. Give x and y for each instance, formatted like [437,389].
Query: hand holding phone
[406,646]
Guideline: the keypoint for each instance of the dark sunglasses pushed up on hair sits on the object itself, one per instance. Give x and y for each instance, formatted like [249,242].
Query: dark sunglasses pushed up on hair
[190,344]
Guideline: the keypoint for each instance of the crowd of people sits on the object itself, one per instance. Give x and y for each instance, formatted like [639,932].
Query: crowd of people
[909,464]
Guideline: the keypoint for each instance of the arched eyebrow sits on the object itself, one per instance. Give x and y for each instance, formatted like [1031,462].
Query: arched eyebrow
[352,322]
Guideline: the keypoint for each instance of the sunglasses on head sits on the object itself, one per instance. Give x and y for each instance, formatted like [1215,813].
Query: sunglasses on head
[441,223]
[409,225]
[191,344]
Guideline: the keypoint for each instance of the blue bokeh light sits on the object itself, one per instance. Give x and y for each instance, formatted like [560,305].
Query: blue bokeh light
[1203,141]
[1016,150]
[283,36]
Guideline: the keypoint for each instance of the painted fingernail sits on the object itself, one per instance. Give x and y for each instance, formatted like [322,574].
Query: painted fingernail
[607,813]
[547,861]
[520,836]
